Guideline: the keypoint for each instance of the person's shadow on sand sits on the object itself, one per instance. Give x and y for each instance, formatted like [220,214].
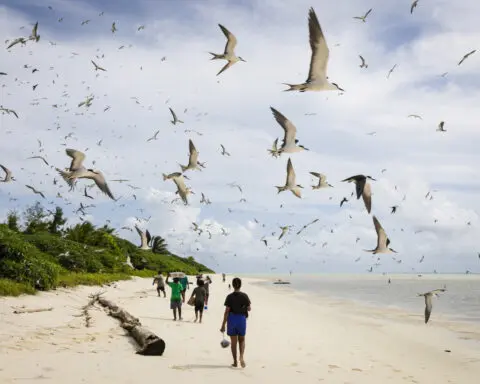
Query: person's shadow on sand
[200,366]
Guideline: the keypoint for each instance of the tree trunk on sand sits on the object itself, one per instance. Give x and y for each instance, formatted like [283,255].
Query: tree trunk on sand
[150,344]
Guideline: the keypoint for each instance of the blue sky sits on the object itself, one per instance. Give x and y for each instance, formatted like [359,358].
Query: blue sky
[233,109]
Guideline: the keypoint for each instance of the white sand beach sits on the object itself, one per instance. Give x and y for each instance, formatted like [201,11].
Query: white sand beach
[288,338]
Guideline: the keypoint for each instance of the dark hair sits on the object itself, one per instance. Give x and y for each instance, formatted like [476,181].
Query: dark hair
[237,283]
[159,272]
[200,282]
[176,279]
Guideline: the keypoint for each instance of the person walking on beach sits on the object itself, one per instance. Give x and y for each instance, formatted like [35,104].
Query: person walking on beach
[176,297]
[199,293]
[160,284]
[207,281]
[185,285]
[223,277]
[237,306]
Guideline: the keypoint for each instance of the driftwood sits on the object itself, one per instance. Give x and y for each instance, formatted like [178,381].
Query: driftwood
[19,311]
[150,344]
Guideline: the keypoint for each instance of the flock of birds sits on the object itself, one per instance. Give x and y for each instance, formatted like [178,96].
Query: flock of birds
[317,80]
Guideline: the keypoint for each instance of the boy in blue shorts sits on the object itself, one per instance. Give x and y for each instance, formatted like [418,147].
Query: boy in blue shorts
[237,306]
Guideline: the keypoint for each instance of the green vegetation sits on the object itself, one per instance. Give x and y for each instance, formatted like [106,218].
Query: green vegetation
[40,253]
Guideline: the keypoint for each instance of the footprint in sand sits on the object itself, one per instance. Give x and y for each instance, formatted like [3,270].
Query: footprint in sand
[333,366]
[357,370]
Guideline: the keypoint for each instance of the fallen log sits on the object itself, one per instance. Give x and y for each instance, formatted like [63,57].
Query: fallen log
[150,344]
[19,311]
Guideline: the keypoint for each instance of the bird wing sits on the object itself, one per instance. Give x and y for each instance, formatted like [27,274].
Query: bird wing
[367,196]
[225,67]
[139,231]
[193,153]
[316,174]
[414,4]
[361,58]
[359,186]
[34,30]
[428,307]
[102,184]
[5,169]
[231,40]
[290,173]
[148,236]
[381,235]
[173,114]
[288,127]
[368,12]
[320,52]
[77,158]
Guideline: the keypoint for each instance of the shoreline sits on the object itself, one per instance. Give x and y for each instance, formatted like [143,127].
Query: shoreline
[289,337]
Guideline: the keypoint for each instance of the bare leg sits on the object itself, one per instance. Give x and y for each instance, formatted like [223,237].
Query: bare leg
[180,313]
[196,316]
[233,346]
[201,315]
[241,344]
[174,314]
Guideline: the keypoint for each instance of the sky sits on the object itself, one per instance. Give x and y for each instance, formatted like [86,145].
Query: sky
[364,130]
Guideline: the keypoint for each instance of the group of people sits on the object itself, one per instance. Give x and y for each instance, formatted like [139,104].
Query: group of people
[237,306]
[179,287]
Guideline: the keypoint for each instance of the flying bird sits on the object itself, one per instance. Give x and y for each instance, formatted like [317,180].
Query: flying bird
[145,238]
[274,150]
[394,209]
[39,157]
[391,71]
[322,181]
[78,171]
[284,231]
[466,56]
[175,119]
[179,181]
[193,162]
[224,151]
[114,27]
[441,127]
[364,64]
[97,67]
[344,200]
[229,53]
[363,189]
[290,184]
[86,194]
[413,6]
[35,191]
[428,301]
[364,17]
[8,175]
[416,116]
[20,40]
[154,137]
[317,76]
[289,144]
[382,240]
[8,111]
[34,35]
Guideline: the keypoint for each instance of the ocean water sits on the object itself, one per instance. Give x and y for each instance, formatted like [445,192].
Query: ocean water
[461,301]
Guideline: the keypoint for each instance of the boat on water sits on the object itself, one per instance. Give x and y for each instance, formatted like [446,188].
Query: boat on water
[281,282]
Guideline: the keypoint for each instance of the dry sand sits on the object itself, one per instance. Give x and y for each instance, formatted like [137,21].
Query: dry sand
[289,337]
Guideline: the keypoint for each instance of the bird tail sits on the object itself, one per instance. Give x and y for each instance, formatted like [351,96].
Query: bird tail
[165,177]
[183,167]
[295,87]
[280,189]
[215,56]
[180,121]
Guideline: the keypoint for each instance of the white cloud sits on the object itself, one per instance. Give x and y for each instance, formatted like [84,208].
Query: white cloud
[233,110]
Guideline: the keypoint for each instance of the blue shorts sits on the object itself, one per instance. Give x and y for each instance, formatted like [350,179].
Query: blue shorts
[236,325]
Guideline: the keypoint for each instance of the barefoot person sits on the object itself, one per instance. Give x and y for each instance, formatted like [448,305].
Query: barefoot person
[176,297]
[160,284]
[237,306]
[207,282]
[199,293]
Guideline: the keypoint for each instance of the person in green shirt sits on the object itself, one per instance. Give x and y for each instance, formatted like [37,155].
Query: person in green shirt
[175,297]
